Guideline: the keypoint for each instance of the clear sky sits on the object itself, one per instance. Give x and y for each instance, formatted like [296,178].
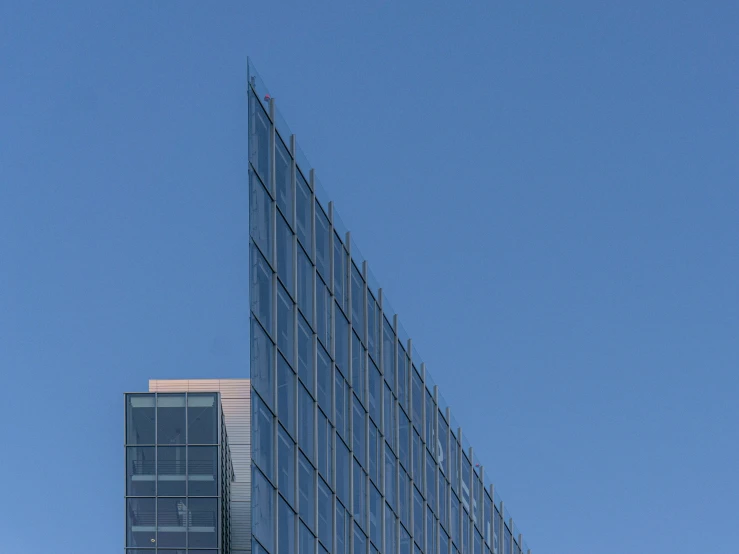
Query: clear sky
[547,192]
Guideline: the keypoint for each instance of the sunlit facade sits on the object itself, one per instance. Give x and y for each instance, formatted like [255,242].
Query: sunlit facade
[354,449]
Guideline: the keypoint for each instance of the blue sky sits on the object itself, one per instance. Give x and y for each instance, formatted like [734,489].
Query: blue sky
[547,193]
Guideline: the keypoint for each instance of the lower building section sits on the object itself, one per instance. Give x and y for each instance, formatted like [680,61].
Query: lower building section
[187,468]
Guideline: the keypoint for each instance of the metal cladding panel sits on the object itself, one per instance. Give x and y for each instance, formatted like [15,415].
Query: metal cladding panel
[236,406]
[241,526]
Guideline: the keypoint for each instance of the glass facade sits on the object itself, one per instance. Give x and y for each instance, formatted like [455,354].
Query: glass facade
[178,471]
[355,450]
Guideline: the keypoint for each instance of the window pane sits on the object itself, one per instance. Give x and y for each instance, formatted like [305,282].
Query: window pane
[283,182]
[323,314]
[305,354]
[404,440]
[374,454]
[261,373]
[375,516]
[261,289]
[324,446]
[390,531]
[418,399]
[360,540]
[307,540]
[417,516]
[360,494]
[259,150]
[325,380]
[389,422]
[285,528]
[171,471]
[442,451]
[171,419]
[342,341]
[306,488]
[305,422]
[202,419]
[343,470]
[430,429]
[358,423]
[305,285]
[286,465]
[303,210]
[260,216]
[388,355]
[286,398]
[402,377]
[322,243]
[325,509]
[262,432]
[390,478]
[359,369]
[202,470]
[284,253]
[262,510]
[172,518]
[357,302]
[203,524]
[141,522]
[140,414]
[404,500]
[341,417]
[417,460]
[342,522]
[340,275]
[430,532]
[140,471]
[285,323]
[373,325]
[375,392]
[431,483]
[443,500]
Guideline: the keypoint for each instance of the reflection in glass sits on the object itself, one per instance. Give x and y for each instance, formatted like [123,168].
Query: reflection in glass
[261,289]
[304,221]
[283,181]
[306,419]
[171,471]
[262,510]
[262,430]
[286,395]
[203,522]
[202,419]
[261,372]
[171,419]
[286,465]
[285,528]
[285,323]
[140,414]
[140,471]
[202,470]
[140,522]
[260,216]
[284,253]
[172,517]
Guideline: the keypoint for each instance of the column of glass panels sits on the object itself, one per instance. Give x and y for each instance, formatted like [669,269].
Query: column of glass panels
[327,359]
[173,461]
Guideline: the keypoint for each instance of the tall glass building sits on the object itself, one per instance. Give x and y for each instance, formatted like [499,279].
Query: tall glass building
[354,449]
[339,442]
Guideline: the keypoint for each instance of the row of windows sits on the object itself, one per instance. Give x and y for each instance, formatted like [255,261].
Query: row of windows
[172,471]
[172,522]
[172,419]
[339,368]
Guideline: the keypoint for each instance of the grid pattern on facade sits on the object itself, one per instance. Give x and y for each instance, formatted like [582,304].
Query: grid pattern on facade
[354,449]
[236,410]
[176,459]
